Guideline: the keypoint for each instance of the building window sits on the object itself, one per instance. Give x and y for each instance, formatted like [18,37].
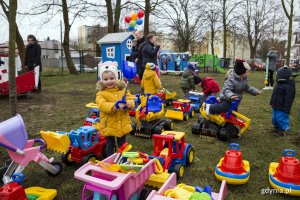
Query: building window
[110,52]
[129,44]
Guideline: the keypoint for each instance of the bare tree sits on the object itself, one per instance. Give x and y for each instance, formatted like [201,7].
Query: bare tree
[113,16]
[227,18]
[182,16]
[11,59]
[257,22]
[19,39]
[289,14]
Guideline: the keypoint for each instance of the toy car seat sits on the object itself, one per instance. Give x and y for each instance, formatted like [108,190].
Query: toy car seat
[154,104]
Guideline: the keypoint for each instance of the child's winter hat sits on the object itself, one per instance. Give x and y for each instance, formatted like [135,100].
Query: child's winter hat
[284,73]
[191,66]
[108,66]
[241,67]
[150,66]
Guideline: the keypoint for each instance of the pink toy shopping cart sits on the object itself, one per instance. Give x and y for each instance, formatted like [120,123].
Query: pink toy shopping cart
[13,137]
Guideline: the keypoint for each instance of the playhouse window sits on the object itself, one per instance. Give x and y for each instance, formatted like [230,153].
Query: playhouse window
[110,52]
[129,44]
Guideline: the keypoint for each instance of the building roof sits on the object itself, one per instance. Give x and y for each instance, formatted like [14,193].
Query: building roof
[114,38]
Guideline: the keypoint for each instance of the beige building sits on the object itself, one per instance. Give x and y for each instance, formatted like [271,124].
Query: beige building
[237,45]
[89,35]
[166,41]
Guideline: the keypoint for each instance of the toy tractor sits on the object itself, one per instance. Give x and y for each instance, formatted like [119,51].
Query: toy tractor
[182,110]
[93,117]
[137,102]
[224,126]
[86,144]
[149,117]
[172,151]
[166,96]
[196,100]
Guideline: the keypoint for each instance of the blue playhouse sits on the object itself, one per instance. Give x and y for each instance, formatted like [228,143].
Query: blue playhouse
[116,47]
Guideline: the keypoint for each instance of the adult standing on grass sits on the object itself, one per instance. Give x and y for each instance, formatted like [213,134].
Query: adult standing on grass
[139,60]
[33,57]
[272,55]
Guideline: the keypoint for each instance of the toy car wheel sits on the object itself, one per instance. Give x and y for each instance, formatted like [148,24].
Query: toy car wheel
[91,157]
[179,170]
[186,116]
[189,156]
[58,166]
[145,193]
[223,134]
[192,113]
[232,131]
[200,119]
[2,171]
[196,129]
[169,125]
[66,158]
[158,129]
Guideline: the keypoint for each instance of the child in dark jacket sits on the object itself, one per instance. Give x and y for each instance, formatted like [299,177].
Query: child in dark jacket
[187,81]
[235,84]
[281,101]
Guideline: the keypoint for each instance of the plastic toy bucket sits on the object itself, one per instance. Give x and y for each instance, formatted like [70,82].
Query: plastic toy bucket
[14,132]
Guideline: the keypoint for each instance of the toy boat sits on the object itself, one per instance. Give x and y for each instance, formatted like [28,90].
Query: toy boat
[232,167]
[285,175]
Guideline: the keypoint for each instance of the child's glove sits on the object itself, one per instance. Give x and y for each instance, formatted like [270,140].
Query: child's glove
[122,106]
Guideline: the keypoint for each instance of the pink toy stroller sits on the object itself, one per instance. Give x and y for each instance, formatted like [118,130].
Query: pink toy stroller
[13,137]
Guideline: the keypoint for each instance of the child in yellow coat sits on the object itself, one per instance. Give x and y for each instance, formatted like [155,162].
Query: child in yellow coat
[114,123]
[150,82]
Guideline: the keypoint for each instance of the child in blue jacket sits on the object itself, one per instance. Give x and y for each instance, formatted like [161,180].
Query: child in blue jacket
[281,101]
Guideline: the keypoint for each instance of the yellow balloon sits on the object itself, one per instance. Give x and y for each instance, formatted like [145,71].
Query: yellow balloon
[134,16]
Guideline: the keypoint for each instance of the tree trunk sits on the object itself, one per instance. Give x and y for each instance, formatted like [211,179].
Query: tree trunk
[110,19]
[212,40]
[66,43]
[288,50]
[117,16]
[11,59]
[224,32]
[147,16]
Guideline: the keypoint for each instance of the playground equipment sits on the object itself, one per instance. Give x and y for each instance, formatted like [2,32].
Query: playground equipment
[84,145]
[182,110]
[224,126]
[14,138]
[170,190]
[207,60]
[172,151]
[232,167]
[169,61]
[166,96]
[149,117]
[285,175]
[196,100]
[25,82]
[102,183]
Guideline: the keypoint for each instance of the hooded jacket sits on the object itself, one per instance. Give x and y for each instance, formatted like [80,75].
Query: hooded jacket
[149,53]
[234,85]
[187,80]
[209,85]
[284,92]
[272,55]
[33,56]
[113,122]
[150,82]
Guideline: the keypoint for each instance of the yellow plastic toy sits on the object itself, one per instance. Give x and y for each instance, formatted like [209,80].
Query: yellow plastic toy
[39,193]
[182,110]
[56,142]
[91,105]
[157,179]
[181,191]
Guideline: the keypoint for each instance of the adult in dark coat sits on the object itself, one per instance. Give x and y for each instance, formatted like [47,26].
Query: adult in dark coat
[140,40]
[33,57]
[149,51]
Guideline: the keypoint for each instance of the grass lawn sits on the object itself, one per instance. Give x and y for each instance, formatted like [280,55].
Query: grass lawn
[61,106]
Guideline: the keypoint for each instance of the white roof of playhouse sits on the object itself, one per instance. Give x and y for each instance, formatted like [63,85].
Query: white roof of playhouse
[114,38]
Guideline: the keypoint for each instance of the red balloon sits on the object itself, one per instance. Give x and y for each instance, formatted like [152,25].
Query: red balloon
[140,13]
[127,19]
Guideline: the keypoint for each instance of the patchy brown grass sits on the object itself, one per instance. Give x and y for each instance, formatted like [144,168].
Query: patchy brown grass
[61,106]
